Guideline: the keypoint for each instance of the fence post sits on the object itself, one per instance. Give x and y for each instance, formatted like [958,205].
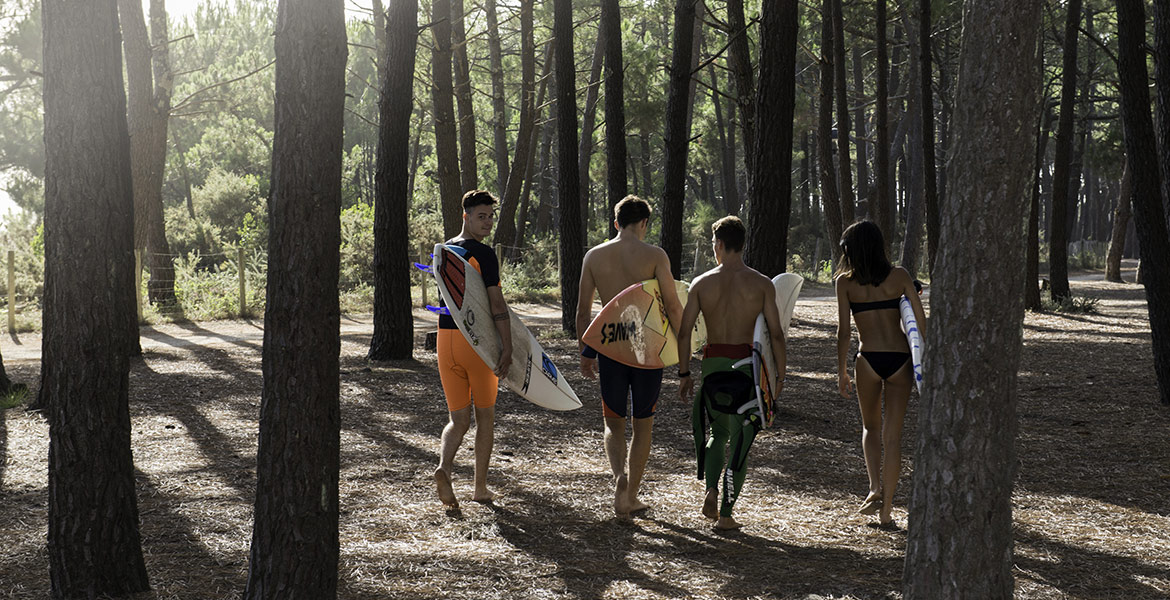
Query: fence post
[424,280]
[243,288]
[11,291]
[138,281]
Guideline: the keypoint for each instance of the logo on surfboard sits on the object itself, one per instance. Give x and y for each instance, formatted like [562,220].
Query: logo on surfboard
[619,332]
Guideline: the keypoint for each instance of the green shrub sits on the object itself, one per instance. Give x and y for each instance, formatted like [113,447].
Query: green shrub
[357,246]
[534,277]
[1070,304]
[224,199]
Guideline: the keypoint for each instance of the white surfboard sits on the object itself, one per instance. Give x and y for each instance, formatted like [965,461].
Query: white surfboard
[913,337]
[763,361]
[532,375]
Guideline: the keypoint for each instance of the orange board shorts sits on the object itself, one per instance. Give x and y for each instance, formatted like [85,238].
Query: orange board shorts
[464,375]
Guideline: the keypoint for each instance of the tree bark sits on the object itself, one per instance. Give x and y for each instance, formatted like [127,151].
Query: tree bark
[94,546]
[506,223]
[883,209]
[468,165]
[616,176]
[499,107]
[959,541]
[739,60]
[844,168]
[863,187]
[149,105]
[588,124]
[1148,210]
[1121,216]
[1032,299]
[825,164]
[446,144]
[1061,193]
[676,136]
[926,109]
[539,132]
[1162,76]
[726,130]
[770,189]
[572,229]
[393,336]
[294,551]
[915,157]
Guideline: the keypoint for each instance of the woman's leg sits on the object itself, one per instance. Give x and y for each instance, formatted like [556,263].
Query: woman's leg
[897,397]
[869,401]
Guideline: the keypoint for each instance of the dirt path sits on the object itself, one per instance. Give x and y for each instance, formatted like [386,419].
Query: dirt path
[1090,516]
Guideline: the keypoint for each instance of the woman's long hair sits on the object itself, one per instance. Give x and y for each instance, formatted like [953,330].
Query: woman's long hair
[864,257]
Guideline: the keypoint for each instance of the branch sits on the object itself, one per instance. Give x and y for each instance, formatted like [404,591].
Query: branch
[183,103]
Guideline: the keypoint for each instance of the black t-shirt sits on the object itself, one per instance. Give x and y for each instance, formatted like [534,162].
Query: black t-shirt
[484,260]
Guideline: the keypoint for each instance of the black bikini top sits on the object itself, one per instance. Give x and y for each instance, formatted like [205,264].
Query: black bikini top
[856,307]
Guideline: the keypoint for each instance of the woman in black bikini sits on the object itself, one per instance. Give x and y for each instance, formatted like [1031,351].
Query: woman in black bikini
[869,287]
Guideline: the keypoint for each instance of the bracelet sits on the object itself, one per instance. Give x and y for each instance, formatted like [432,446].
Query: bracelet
[681,374]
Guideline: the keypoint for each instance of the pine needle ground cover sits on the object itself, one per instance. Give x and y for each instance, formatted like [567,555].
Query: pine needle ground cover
[1090,508]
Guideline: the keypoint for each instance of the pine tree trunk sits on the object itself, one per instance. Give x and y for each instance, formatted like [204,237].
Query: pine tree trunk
[1148,215]
[468,165]
[1062,196]
[926,109]
[541,131]
[915,211]
[676,136]
[959,542]
[393,336]
[446,138]
[294,552]
[588,124]
[499,107]
[844,168]
[616,176]
[1032,299]
[726,130]
[506,222]
[739,60]
[825,163]
[1162,75]
[863,197]
[94,547]
[1121,217]
[572,230]
[770,190]
[883,209]
[805,176]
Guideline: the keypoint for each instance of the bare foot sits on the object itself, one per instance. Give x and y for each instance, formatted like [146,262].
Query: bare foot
[446,493]
[711,504]
[871,505]
[621,500]
[727,524]
[637,505]
[484,496]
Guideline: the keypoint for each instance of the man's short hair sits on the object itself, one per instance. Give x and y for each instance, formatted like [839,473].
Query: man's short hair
[476,198]
[731,232]
[630,210]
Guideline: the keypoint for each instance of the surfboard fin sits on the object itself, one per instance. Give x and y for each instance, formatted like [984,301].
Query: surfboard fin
[442,310]
[422,267]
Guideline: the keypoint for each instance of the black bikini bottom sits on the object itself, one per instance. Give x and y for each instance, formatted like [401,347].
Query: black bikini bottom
[885,364]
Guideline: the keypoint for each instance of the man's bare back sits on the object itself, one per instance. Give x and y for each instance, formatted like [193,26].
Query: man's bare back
[730,299]
[619,263]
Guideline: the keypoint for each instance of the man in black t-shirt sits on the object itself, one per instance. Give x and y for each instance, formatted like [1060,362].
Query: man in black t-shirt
[465,376]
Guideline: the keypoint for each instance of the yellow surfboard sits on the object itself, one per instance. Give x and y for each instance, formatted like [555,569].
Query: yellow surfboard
[632,328]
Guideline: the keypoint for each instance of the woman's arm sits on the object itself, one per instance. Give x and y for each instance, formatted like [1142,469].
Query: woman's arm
[844,334]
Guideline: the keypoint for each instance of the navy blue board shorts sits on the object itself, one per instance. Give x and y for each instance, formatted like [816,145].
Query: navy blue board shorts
[623,385]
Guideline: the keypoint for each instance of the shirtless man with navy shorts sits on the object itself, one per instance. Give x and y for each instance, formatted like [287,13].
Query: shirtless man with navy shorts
[609,268]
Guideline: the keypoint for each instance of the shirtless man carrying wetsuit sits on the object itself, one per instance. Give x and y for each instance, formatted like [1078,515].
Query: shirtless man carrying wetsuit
[730,297]
[609,268]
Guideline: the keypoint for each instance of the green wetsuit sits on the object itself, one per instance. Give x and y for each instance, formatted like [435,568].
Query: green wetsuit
[723,391]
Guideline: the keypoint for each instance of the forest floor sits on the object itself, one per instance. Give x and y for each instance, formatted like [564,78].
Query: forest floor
[1091,509]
